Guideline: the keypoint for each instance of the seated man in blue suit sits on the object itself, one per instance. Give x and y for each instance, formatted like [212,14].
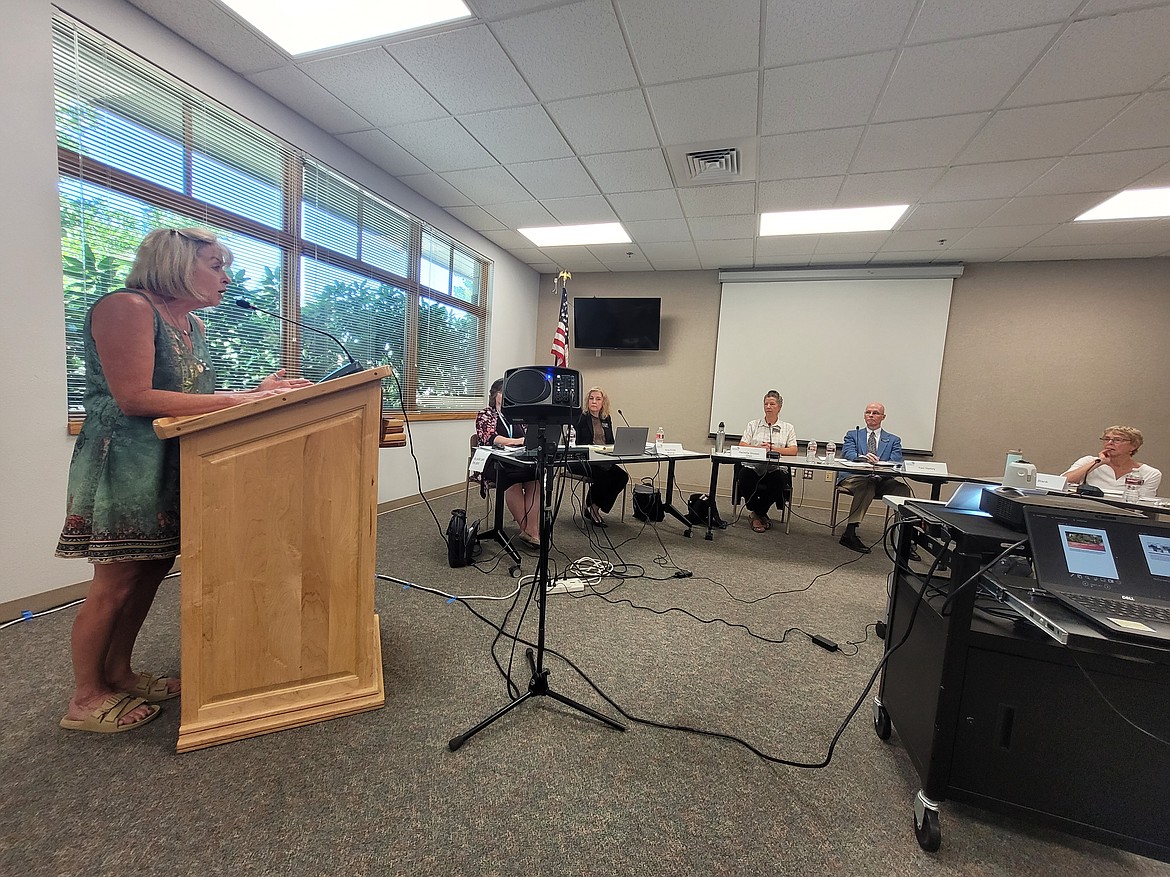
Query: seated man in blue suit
[874,445]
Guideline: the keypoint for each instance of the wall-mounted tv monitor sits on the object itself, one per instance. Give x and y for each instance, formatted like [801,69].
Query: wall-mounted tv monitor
[616,323]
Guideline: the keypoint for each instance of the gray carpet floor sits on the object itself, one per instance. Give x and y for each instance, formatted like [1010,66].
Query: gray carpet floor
[545,790]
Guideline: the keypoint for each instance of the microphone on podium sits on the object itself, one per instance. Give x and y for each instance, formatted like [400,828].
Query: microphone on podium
[623,417]
[350,368]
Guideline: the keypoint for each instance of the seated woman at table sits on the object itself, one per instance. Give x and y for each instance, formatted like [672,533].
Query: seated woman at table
[518,481]
[1113,462]
[760,484]
[607,480]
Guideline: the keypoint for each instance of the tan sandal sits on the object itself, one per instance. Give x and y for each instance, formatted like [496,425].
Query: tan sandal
[103,719]
[152,688]
[759,524]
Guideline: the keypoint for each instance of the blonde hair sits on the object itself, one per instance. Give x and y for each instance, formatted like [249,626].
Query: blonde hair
[165,261]
[1130,432]
[604,412]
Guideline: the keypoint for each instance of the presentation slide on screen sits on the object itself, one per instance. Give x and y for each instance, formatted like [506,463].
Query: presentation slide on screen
[1157,552]
[1087,552]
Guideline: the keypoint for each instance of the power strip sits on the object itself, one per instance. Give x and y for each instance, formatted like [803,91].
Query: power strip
[566,586]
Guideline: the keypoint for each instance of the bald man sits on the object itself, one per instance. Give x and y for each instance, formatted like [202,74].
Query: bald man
[873,445]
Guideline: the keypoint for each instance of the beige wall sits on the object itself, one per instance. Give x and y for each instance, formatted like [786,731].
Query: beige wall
[1039,356]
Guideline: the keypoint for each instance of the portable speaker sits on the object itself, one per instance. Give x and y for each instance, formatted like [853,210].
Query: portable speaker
[461,539]
[542,394]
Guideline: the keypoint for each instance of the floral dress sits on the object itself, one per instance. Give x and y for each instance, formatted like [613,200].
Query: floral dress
[123,501]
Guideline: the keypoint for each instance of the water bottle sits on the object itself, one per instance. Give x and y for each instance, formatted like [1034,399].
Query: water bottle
[830,452]
[659,438]
[720,439]
[811,454]
[1133,487]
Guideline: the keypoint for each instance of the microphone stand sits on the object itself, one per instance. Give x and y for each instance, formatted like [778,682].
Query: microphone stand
[538,685]
[350,368]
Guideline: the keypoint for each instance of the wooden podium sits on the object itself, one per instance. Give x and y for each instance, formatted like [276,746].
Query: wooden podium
[279,511]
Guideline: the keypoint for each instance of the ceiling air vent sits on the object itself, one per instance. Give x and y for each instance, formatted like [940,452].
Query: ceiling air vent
[713,164]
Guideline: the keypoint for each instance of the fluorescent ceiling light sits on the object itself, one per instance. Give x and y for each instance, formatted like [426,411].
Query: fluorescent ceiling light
[831,221]
[300,26]
[1131,204]
[577,235]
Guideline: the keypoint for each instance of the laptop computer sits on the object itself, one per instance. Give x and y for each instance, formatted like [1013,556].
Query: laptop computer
[628,441]
[1111,567]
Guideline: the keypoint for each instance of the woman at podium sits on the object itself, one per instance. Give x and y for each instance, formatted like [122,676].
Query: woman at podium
[146,356]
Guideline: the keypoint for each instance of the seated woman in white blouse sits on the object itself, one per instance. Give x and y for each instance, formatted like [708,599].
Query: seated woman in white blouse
[1108,469]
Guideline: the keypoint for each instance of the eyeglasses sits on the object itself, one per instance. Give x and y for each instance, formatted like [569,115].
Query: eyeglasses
[1114,439]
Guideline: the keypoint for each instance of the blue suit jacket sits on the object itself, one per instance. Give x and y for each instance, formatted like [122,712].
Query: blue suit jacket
[889,448]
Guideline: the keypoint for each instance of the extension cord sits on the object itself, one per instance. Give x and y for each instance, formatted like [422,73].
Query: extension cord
[566,586]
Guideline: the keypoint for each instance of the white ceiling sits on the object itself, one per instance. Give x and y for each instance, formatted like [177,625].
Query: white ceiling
[998,121]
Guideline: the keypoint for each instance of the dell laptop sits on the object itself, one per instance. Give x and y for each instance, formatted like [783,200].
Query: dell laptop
[1113,569]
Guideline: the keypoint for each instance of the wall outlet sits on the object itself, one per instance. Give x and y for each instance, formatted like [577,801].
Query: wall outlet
[808,473]
[828,476]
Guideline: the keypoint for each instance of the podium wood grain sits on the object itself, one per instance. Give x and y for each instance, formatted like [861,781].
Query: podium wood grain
[279,511]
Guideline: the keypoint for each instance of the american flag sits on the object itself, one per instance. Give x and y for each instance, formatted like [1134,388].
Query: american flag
[560,344]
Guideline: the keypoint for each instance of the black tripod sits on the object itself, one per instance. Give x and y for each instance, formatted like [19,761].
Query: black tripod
[538,684]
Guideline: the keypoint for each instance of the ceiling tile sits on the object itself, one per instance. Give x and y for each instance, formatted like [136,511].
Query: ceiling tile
[960,76]
[668,250]
[555,178]
[517,134]
[950,19]
[718,200]
[436,190]
[582,210]
[635,171]
[812,154]
[444,143]
[725,254]
[1116,54]
[375,86]
[950,215]
[893,146]
[235,44]
[1001,237]
[855,243]
[613,122]
[918,240]
[487,185]
[489,10]
[888,187]
[658,230]
[509,239]
[1142,123]
[696,111]
[464,69]
[797,30]
[1044,209]
[684,39]
[655,204]
[300,93]
[1091,251]
[586,55]
[1078,233]
[1004,179]
[1100,172]
[521,214]
[383,152]
[723,228]
[810,193]
[823,94]
[476,218]
[573,258]
[1037,132]
[776,246]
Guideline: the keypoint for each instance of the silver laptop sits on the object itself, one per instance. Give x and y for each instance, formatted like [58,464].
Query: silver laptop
[1110,567]
[628,441]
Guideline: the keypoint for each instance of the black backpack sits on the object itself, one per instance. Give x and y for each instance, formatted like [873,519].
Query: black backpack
[699,506]
[461,539]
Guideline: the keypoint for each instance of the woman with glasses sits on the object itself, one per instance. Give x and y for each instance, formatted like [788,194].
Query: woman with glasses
[146,356]
[1115,460]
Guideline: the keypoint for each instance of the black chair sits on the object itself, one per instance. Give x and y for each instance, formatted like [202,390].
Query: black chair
[737,468]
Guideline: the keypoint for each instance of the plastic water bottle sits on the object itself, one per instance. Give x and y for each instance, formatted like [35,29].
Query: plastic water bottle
[1133,487]
[830,452]
[811,454]
[659,438]
[720,439]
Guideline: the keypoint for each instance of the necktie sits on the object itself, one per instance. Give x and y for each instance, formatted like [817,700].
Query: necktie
[872,445]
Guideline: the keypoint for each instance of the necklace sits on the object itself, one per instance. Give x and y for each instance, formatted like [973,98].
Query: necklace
[174,322]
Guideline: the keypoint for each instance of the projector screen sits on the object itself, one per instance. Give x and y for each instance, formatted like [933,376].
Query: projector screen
[830,347]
